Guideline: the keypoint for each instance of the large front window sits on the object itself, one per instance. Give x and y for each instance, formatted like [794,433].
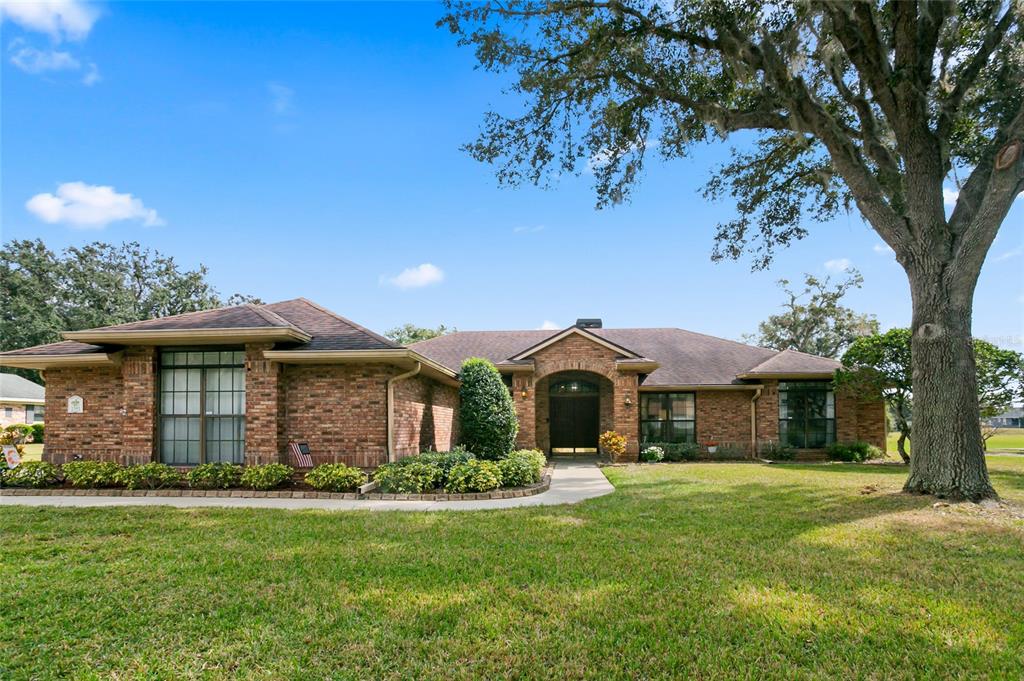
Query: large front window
[807,414]
[202,407]
[667,417]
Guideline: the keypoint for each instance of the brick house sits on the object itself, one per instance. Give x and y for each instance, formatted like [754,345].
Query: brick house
[237,384]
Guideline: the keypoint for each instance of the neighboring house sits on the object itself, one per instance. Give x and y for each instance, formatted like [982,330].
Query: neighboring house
[237,384]
[1014,418]
[21,400]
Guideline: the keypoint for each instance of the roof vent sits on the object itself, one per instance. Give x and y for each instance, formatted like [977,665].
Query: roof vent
[588,323]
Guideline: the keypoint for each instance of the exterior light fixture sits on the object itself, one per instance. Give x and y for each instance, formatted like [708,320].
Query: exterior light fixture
[629,401]
[523,393]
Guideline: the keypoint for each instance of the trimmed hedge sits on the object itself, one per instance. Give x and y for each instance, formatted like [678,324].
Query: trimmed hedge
[522,467]
[148,476]
[487,416]
[335,477]
[92,474]
[409,476]
[854,452]
[266,476]
[474,476]
[30,474]
[215,476]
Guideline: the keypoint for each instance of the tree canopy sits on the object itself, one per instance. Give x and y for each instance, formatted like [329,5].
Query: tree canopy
[408,334]
[43,293]
[814,320]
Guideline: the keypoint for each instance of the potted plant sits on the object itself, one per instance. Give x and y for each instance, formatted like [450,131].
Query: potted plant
[712,446]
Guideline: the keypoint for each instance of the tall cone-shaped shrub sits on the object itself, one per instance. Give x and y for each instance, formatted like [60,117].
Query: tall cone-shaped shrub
[488,423]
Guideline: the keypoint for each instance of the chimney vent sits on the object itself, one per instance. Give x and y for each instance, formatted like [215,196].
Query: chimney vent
[588,323]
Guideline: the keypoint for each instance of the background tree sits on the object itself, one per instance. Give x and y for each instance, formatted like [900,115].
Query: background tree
[487,416]
[814,321]
[882,364]
[43,293]
[872,104]
[410,333]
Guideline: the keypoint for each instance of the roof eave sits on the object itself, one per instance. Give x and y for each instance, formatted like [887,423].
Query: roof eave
[699,387]
[786,375]
[60,361]
[189,336]
[402,356]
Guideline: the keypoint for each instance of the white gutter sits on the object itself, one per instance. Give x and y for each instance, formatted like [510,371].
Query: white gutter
[391,407]
[753,422]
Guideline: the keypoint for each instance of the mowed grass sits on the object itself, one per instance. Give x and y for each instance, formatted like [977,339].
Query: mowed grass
[1005,439]
[33,452]
[731,571]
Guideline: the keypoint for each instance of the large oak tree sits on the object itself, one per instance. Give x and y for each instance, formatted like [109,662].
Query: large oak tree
[867,104]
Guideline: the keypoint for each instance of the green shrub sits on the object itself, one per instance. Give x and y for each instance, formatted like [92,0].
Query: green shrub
[487,415]
[92,473]
[652,454]
[148,476]
[521,467]
[38,430]
[17,434]
[474,476]
[408,476]
[443,460]
[776,451]
[853,451]
[215,476]
[266,476]
[31,474]
[335,477]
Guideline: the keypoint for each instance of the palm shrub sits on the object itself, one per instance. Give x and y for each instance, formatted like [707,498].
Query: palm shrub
[474,476]
[487,415]
[335,477]
[215,476]
[92,473]
[148,476]
[266,476]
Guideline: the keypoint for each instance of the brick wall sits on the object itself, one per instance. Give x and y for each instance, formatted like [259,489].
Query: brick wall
[96,432]
[425,416]
[139,378]
[724,416]
[264,407]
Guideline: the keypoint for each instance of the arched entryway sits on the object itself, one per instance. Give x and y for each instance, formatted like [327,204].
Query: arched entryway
[574,413]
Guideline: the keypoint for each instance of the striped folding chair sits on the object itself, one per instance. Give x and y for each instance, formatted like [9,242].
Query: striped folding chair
[300,455]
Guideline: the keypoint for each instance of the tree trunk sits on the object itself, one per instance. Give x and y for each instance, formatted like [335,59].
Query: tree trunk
[949,457]
[901,447]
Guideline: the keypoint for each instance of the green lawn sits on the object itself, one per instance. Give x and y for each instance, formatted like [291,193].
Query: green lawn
[33,452]
[1004,439]
[696,570]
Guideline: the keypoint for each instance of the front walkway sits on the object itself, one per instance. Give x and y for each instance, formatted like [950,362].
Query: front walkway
[571,481]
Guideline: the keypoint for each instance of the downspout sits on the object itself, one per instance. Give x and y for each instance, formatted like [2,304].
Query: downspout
[753,423]
[391,407]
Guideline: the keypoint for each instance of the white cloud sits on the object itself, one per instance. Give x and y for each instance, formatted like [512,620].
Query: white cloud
[92,76]
[281,97]
[528,229]
[32,60]
[416,277]
[60,19]
[90,206]
[884,249]
[837,265]
[949,196]
[1009,254]
[549,325]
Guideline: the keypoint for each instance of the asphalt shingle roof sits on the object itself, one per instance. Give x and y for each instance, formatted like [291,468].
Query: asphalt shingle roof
[14,387]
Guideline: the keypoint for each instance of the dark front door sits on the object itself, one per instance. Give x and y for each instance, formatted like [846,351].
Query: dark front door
[574,424]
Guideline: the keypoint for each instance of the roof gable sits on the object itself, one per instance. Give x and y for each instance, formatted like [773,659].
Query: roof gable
[328,330]
[792,362]
[575,330]
[14,387]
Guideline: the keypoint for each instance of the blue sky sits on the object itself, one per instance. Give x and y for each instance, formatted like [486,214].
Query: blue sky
[313,150]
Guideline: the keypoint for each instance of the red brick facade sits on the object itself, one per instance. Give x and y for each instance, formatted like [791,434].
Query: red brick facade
[341,410]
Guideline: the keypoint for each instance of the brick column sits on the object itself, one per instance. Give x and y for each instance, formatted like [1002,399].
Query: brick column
[526,410]
[627,416]
[138,424]
[263,407]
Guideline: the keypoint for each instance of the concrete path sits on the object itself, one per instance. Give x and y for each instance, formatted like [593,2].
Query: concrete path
[571,482]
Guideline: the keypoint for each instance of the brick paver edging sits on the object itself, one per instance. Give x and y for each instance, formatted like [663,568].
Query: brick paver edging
[510,493]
